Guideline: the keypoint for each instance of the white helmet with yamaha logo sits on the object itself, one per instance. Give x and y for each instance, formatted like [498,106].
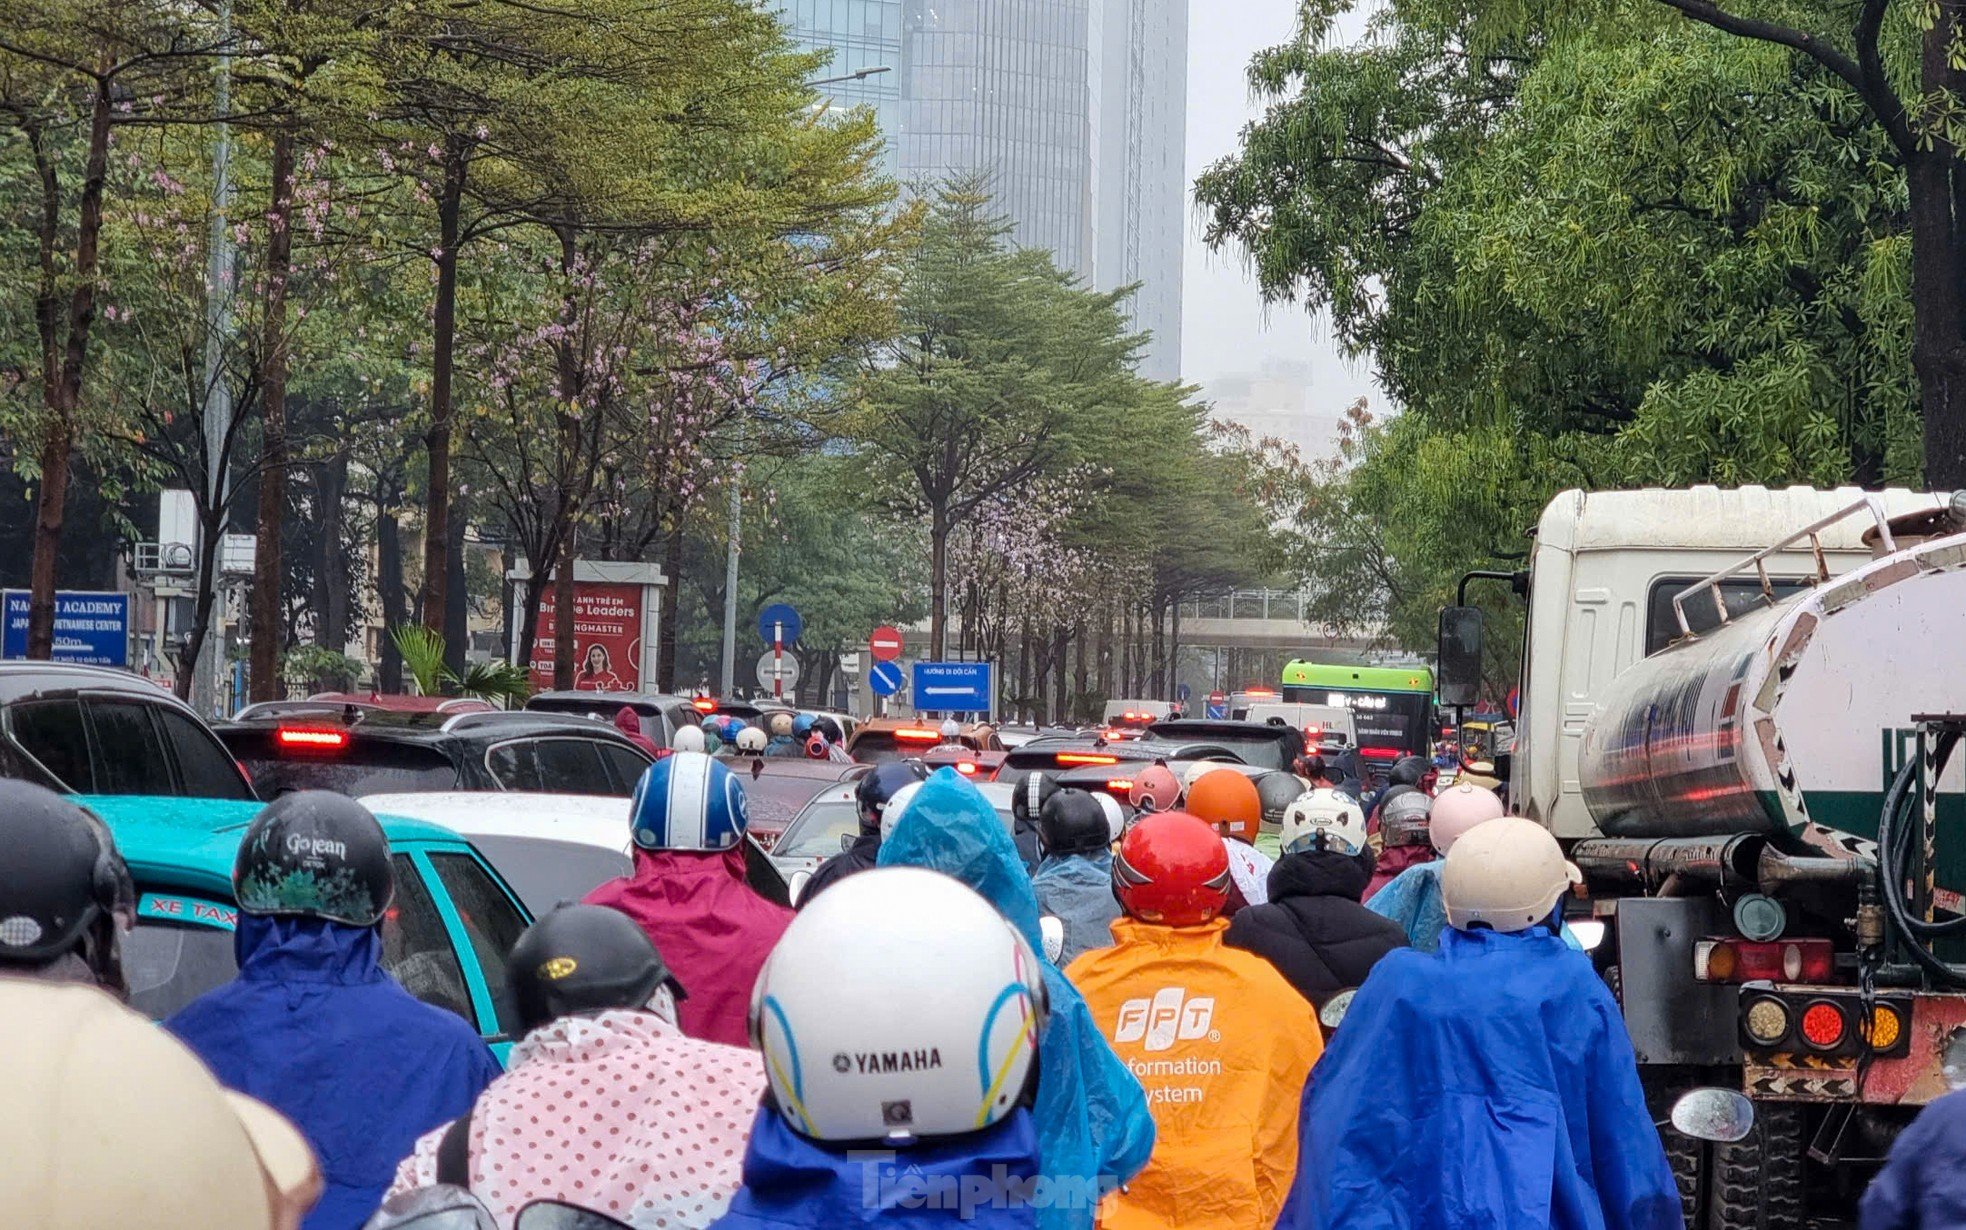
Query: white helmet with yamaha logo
[688,801]
[896,1034]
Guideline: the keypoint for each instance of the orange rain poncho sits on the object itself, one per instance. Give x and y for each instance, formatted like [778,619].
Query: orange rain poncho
[1222,1045]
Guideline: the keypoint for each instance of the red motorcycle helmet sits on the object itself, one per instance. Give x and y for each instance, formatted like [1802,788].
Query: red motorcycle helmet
[1172,869]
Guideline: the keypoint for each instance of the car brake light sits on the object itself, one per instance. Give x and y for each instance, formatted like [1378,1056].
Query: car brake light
[1084,758]
[703,704]
[916,735]
[311,736]
[1822,1025]
[1117,785]
[1800,960]
[1380,753]
[966,767]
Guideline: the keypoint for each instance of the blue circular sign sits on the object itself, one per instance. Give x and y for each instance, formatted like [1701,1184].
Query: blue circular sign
[779,622]
[885,678]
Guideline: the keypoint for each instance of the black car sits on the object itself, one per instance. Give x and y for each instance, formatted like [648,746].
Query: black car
[93,730]
[1063,753]
[1253,743]
[661,715]
[364,751]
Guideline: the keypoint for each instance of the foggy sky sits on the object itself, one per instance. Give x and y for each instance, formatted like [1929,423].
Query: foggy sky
[1226,330]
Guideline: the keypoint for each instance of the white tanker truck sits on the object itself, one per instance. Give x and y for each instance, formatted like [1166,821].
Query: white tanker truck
[1721,689]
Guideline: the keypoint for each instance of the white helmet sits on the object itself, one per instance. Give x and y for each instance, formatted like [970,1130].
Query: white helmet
[688,739]
[951,730]
[1323,820]
[1193,773]
[1115,816]
[877,1032]
[896,804]
[88,1082]
[1460,808]
[752,739]
[1506,874]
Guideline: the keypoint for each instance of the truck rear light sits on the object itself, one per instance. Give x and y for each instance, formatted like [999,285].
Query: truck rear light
[313,738]
[1766,1021]
[1823,1025]
[1886,1026]
[1799,960]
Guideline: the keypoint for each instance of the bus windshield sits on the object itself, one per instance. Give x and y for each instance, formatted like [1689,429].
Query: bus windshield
[1389,723]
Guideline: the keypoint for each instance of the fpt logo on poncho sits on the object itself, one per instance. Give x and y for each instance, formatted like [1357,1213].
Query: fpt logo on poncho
[1169,1017]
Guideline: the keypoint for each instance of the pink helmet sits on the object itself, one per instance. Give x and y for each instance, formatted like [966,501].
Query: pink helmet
[1460,808]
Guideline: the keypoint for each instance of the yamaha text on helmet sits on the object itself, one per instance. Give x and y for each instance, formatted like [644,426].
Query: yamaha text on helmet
[578,960]
[315,854]
[688,801]
[63,887]
[879,785]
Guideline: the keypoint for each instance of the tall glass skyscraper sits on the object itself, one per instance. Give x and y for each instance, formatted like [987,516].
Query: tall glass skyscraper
[1074,109]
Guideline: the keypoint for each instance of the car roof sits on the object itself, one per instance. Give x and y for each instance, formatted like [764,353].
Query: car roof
[426,727]
[22,678]
[193,842]
[592,820]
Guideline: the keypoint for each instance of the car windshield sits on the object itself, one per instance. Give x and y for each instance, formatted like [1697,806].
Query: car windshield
[818,831]
[544,872]
[171,964]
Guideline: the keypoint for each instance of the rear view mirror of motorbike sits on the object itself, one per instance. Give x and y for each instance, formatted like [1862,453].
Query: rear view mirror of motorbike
[1589,932]
[1720,1115]
[1333,1013]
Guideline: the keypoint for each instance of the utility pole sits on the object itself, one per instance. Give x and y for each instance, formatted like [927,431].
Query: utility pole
[206,673]
[729,680]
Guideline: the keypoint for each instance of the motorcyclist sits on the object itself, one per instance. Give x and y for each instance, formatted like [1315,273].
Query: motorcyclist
[1403,838]
[1220,1040]
[712,731]
[689,893]
[1229,800]
[66,898]
[1276,791]
[1489,1084]
[951,733]
[783,731]
[1155,788]
[1407,773]
[1313,930]
[871,796]
[109,1121]
[1092,1121]
[629,723]
[903,1025]
[1029,792]
[689,739]
[1413,898]
[1074,880]
[312,1026]
[596,1008]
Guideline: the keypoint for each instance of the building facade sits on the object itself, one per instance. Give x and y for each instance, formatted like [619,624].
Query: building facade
[1075,110]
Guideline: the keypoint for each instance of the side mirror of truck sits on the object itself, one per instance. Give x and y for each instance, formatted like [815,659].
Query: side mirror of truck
[1458,674]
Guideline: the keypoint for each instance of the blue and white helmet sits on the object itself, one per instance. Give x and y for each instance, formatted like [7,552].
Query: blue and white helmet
[688,801]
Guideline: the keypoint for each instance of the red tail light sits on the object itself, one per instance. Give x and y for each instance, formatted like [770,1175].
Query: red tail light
[1800,960]
[1380,753]
[966,767]
[703,704]
[916,735]
[1084,758]
[1119,785]
[314,737]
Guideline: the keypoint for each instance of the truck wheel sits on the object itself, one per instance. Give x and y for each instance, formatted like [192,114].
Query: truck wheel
[1757,1182]
[1687,1155]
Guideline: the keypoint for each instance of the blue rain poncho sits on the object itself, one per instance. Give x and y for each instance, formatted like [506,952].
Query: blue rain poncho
[1488,1086]
[1092,1121]
[979,1180]
[1077,890]
[314,1028]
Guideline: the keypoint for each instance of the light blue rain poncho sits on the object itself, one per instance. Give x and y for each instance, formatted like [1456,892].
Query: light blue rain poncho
[1077,890]
[1093,1126]
[1413,900]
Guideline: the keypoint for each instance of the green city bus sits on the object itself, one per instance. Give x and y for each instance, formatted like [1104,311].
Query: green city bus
[1393,706]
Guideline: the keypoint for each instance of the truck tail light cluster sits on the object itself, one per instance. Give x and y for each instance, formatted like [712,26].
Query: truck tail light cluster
[1799,960]
[1813,1022]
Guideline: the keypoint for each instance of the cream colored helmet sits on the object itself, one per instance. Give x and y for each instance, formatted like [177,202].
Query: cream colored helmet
[89,1085]
[1506,874]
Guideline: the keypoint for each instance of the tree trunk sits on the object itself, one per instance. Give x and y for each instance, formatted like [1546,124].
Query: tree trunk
[457,598]
[331,583]
[1061,641]
[1024,668]
[211,521]
[565,644]
[665,638]
[1080,680]
[1157,660]
[1938,269]
[62,395]
[443,326]
[263,664]
[1104,674]
[938,579]
[392,597]
[1173,692]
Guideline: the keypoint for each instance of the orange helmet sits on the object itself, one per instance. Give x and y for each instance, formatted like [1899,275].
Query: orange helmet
[1227,799]
[1155,788]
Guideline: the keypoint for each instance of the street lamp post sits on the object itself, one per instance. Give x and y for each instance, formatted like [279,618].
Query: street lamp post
[862,75]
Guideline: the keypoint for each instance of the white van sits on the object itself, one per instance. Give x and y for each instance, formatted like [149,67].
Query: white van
[1134,716]
[1325,725]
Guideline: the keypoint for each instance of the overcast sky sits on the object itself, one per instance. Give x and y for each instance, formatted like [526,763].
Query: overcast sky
[1226,331]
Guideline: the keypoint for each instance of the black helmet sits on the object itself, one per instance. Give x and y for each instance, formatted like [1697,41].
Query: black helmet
[879,785]
[581,959]
[1408,771]
[1278,791]
[825,725]
[315,854]
[1027,801]
[1310,765]
[1073,822]
[63,886]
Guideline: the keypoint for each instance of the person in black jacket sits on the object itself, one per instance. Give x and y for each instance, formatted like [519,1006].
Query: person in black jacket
[1314,931]
[872,796]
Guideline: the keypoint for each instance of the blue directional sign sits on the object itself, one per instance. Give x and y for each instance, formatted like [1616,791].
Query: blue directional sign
[885,678]
[90,628]
[779,619]
[953,687]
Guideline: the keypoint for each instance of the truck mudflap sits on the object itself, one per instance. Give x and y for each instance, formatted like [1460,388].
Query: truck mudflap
[1910,1052]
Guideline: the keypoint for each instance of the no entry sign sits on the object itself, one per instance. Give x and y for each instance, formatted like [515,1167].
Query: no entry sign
[885,643]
